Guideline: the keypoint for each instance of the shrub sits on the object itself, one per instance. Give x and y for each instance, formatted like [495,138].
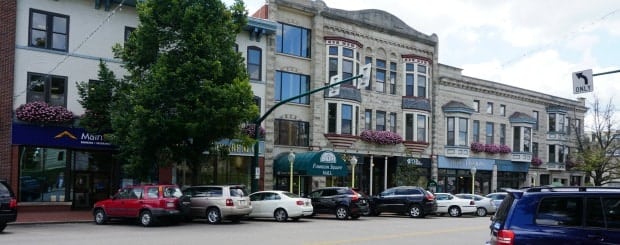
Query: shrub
[41,112]
[381,137]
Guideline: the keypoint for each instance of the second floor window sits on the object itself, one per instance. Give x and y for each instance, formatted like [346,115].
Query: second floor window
[343,61]
[521,139]
[557,123]
[489,133]
[476,131]
[50,89]
[392,122]
[255,63]
[535,115]
[380,124]
[293,40]
[368,119]
[393,76]
[291,84]
[49,30]
[416,127]
[341,118]
[293,133]
[476,105]
[416,79]
[457,131]
[380,76]
[489,107]
[502,134]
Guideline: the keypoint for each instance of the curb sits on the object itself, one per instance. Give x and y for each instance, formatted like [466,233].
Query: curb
[49,222]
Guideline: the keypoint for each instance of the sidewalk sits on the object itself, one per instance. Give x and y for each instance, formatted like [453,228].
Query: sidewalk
[54,217]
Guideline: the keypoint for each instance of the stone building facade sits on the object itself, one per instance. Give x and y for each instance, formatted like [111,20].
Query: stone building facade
[499,130]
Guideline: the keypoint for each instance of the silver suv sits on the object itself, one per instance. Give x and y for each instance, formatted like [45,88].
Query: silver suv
[218,202]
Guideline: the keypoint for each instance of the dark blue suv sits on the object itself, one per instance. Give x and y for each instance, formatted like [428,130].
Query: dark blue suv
[558,215]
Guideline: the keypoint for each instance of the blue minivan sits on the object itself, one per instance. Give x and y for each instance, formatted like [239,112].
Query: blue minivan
[558,215]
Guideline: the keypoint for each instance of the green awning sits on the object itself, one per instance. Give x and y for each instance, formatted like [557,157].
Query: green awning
[321,163]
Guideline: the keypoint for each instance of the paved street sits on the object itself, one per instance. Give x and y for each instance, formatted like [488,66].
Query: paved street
[323,230]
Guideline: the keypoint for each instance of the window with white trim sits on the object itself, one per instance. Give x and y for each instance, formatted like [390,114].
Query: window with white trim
[255,63]
[343,59]
[393,77]
[416,79]
[380,75]
[380,123]
[490,127]
[457,131]
[416,127]
[557,123]
[48,30]
[392,122]
[521,139]
[342,118]
[558,153]
[368,119]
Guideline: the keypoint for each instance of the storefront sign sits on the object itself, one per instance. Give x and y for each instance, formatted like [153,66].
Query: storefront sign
[61,137]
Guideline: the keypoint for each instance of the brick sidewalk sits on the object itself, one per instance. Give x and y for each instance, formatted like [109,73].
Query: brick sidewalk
[31,217]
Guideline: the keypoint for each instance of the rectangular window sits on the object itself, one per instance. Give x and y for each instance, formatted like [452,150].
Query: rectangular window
[332,117]
[463,131]
[290,84]
[502,110]
[476,131]
[421,81]
[409,127]
[293,133]
[489,107]
[476,105]
[527,139]
[347,52]
[380,124]
[561,152]
[42,174]
[421,125]
[393,77]
[502,134]
[293,40]
[535,115]
[577,126]
[380,75]
[568,126]
[49,89]
[48,30]
[561,124]
[128,31]
[552,122]
[450,128]
[489,133]
[346,126]
[392,122]
[516,139]
[409,85]
[560,211]
[255,63]
[333,67]
[368,60]
[552,153]
[535,149]
[368,119]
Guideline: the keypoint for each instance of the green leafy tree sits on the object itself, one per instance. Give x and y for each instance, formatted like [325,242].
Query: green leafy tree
[187,86]
[598,148]
[96,99]
[406,174]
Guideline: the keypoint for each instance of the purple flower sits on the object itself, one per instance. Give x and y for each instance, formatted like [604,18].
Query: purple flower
[477,147]
[536,161]
[249,130]
[381,137]
[41,112]
[504,149]
[491,148]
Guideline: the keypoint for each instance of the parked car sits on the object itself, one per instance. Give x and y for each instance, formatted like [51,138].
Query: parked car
[558,215]
[363,195]
[497,197]
[484,205]
[453,205]
[219,202]
[344,202]
[8,205]
[147,203]
[410,200]
[280,205]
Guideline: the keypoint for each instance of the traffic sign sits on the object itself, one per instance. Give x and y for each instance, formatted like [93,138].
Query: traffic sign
[582,81]
[335,90]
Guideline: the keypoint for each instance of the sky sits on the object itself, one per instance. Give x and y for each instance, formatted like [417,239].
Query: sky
[531,44]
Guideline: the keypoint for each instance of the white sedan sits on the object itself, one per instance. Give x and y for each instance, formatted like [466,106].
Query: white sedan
[485,205]
[454,206]
[280,205]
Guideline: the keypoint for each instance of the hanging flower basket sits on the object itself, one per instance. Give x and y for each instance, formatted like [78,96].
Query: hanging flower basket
[536,161]
[249,130]
[42,113]
[381,137]
[491,148]
[504,149]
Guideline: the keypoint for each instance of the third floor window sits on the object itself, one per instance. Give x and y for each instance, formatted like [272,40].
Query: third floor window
[48,30]
[293,40]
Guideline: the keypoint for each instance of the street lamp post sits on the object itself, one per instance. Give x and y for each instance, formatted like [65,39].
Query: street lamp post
[473,180]
[291,160]
[353,163]
[534,175]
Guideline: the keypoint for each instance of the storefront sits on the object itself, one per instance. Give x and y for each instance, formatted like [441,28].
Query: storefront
[63,166]
[458,175]
[309,170]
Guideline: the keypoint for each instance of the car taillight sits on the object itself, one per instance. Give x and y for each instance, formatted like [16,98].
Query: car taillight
[299,203]
[430,197]
[355,196]
[13,203]
[229,202]
[505,237]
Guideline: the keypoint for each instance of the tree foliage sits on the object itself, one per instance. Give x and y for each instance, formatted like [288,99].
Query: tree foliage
[598,147]
[96,98]
[406,174]
[187,86]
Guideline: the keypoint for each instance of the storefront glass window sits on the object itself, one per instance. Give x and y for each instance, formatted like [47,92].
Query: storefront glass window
[42,174]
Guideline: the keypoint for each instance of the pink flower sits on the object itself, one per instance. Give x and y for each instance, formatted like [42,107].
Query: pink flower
[504,149]
[41,112]
[381,137]
[536,161]
[491,148]
[477,147]
[249,129]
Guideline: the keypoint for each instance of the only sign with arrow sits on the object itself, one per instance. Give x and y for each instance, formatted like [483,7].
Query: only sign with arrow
[582,81]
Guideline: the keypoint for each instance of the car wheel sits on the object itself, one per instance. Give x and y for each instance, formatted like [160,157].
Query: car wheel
[146,218]
[280,215]
[481,212]
[415,211]
[342,212]
[100,217]
[454,211]
[214,216]
[2,226]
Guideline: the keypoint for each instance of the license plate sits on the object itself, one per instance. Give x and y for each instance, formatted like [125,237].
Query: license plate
[241,202]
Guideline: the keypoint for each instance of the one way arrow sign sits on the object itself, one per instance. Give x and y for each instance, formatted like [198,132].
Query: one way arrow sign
[582,81]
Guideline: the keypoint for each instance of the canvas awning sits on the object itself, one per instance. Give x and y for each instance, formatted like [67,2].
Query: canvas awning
[315,163]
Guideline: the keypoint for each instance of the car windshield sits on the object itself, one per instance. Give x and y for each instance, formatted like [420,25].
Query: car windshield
[238,192]
[172,191]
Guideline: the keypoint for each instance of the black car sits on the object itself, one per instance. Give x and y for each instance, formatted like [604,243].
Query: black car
[344,202]
[410,200]
[558,215]
[8,205]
